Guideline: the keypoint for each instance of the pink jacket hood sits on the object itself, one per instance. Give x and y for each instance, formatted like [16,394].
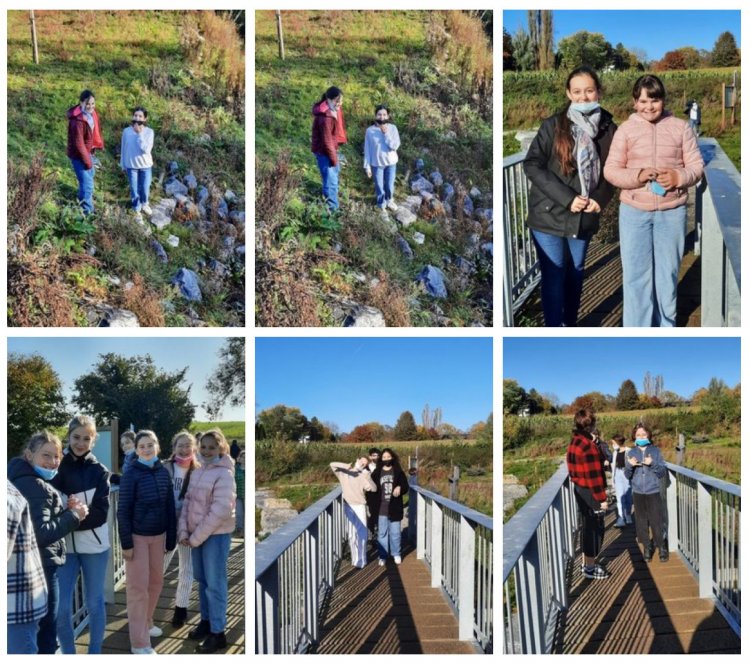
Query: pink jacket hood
[208,508]
[667,143]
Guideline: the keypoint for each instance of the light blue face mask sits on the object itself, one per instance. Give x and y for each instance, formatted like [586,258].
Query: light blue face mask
[148,462]
[585,107]
[45,473]
[642,442]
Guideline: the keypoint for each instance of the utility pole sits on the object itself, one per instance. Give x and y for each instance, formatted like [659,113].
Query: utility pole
[280,33]
[34,45]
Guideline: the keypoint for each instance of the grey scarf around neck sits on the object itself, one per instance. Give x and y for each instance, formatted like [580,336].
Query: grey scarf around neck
[585,128]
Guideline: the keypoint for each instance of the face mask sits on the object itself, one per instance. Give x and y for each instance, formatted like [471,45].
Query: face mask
[642,442]
[381,122]
[183,461]
[45,473]
[148,462]
[585,107]
[208,462]
[138,122]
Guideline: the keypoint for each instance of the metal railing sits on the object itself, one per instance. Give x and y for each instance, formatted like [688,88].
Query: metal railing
[456,544]
[539,544]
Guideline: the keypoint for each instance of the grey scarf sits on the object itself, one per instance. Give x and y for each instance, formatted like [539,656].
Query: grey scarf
[585,128]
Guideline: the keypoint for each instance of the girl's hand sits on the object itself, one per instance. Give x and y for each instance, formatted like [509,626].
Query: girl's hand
[647,460]
[632,461]
[185,542]
[383,128]
[579,204]
[397,492]
[128,554]
[368,170]
[81,510]
[647,174]
[593,207]
[603,506]
[668,178]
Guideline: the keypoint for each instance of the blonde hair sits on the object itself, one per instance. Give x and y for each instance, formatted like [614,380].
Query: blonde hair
[183,434]
[40,439]
[221,441]
[78,421]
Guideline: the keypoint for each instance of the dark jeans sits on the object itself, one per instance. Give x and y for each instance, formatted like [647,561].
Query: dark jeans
[46,638]
[648,512]
[592,524]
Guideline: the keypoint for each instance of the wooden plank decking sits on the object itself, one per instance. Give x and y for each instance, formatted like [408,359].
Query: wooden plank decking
[175,641]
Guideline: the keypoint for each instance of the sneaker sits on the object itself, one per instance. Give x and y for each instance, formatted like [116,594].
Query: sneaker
[139,218]
[381,563]
[143,651]
[212,643]
[397,560]
[620,523]
[384,214]
[146,209]
[201,631]
[391,205]
[648,552]
[595,572]
[180,616]
[663,554]
[155,631]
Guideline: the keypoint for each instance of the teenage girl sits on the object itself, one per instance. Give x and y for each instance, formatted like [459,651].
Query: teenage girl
[381,142]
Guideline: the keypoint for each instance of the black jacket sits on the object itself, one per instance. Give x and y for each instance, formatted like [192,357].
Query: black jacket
[396,506]
[552,192]
[52,521]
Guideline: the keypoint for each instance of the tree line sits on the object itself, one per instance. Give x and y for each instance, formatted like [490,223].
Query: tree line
[533,50]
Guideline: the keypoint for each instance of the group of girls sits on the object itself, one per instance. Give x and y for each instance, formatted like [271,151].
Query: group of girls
[186,503]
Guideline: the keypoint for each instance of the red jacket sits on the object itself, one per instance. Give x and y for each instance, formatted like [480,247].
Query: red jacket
[82,139]
[328,131]
[585,466]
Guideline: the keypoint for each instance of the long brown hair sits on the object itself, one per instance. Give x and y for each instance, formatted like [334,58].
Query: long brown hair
[563,142]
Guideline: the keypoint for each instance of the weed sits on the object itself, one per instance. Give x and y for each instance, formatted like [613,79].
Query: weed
[144,303]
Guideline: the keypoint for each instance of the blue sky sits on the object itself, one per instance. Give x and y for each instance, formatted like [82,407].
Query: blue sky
[74,356]
[574,366]
[656,32]
[354,381]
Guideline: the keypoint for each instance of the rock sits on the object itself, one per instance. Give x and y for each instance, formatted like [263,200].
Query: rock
[475,193]
[413,202]
[237,217]
[204,138]
[173,241]
[512,490]
[173,167]
[181,199]
[118,318]
[525,138]
[474,240]
[338,247]
[222,209]
[418,237]
[405,248]
[487,246]
[191,181]
[464,266]
[477,323]
[405,216]
[229,196]
[159,251]
[448,192]
[421,184]
[436,178]
[200,263]
[419,165]
[450,135]
[114,281]
[218,268]
[468,206]
[91,251]
[240,251]
[433,280]
[173,186]
[201,196]
[484,214]
[362,316]
[187,281]
[448,209]
[432,209]
[162,212]
[129,285]
[374,282]
[359,277]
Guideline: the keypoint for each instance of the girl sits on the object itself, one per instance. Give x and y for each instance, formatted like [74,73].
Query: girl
[328,132]
[355,481]
[136,161]
[81,478]
[381,142]
[645,468]
[147,525]
[654,159]
[84,136]
[206,525]
[568,192]
[180,467]
[52,520]
[622,483]
[389,505]
[239,479]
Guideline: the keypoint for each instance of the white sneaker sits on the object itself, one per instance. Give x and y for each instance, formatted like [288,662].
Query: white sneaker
[139,219]
[391,205]
[143,651]
[146,209]
[381,562]
[397,560]
[155,631]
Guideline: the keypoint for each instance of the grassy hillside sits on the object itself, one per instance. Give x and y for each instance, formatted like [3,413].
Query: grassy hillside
[308,262]
[529,97]
[231,430]
[187,69]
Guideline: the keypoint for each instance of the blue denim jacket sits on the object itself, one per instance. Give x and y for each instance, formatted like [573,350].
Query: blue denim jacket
[645,479]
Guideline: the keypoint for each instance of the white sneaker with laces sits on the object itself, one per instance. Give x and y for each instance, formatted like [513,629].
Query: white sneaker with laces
[391,205]
[397,560]
[146,209]
[155,631]
[139,219]
[381,562]
[143,651]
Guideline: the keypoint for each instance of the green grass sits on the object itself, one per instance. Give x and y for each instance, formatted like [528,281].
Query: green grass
[231,430]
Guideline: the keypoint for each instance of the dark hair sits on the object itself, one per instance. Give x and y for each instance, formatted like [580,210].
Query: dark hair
[332,93]
[142,110]
[563,142]
[643,426]
[620,454]
[584,420]
[374,450]
[85,95]
[618,438]
[395,462]
[382,107]
[652,85]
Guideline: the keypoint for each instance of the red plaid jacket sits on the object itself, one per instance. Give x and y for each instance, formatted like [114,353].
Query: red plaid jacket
[585,466]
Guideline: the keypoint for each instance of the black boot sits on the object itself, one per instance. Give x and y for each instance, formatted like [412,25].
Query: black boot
[212,643]
[648,552]
[180,616]
[201,631]
[663,553]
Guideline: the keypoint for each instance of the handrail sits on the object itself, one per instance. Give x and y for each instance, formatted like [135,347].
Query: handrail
[459,508]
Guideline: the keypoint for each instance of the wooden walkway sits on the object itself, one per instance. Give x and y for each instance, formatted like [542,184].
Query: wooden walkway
[175,641]
[391,609]
[641,608]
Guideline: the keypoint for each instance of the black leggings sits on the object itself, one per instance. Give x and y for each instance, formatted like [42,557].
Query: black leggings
[648,512]
[592,524]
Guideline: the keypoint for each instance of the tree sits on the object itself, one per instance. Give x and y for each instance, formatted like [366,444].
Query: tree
[406,427]
[227,382]
[35,399]
[594,400]
[584,48]
[509,62]
[523,51]
[672,60]
[541,36]
[136,391]
[627,396]
[431,419]
[691,56]
[372,432]
[622,59]
[283,423]
[514,397]
[484,436]
[725,52]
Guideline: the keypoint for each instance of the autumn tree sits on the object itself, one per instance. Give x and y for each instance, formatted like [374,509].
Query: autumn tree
[672,60]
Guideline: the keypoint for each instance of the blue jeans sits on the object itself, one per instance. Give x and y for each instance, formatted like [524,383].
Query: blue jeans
[651,248]
[384,178]
[140,183]
[94,569]
[389,537]
[330,177]
[85,185]
[210,571]
[47,637]
[22,638]
[562,260]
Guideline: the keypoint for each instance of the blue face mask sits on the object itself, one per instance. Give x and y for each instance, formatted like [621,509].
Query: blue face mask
[642,442]
[148,462]
[585,107]
[45,473]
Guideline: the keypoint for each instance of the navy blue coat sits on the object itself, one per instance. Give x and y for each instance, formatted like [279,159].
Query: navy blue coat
[146,504]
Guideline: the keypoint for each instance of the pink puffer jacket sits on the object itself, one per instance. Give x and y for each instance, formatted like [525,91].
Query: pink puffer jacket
[208,508]
[666,143]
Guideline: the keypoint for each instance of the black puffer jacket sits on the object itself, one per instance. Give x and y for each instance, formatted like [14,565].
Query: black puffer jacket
[552,192]
[52,522]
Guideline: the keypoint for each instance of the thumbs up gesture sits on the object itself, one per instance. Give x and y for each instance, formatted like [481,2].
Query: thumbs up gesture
[647,459]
